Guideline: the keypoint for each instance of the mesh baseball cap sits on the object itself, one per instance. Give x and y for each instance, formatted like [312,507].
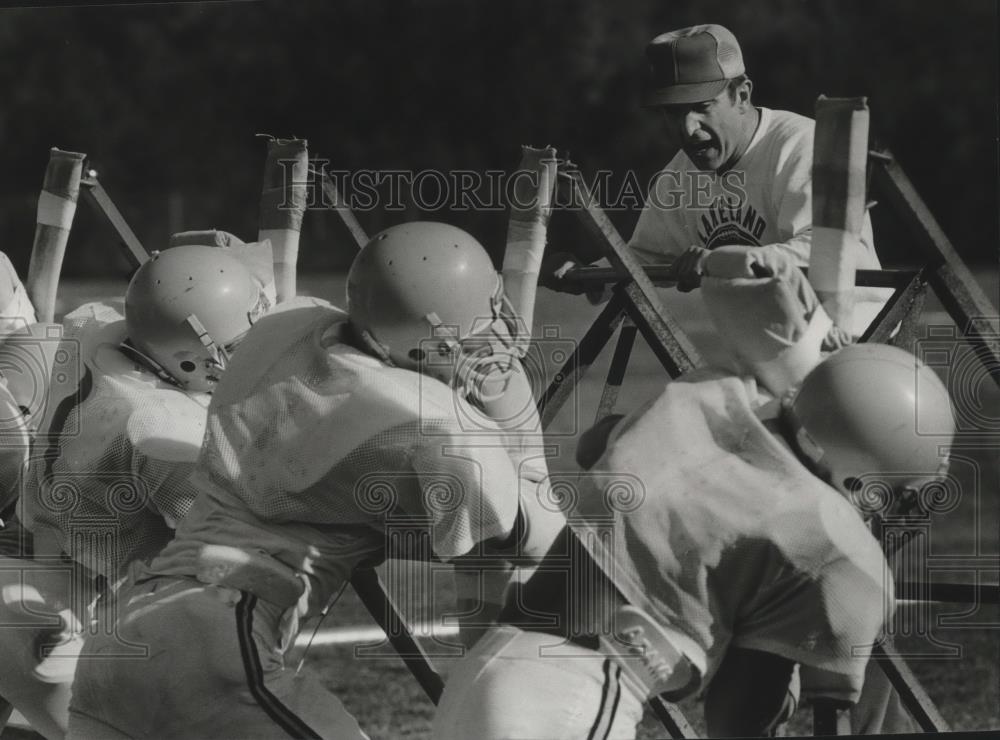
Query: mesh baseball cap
[691,65]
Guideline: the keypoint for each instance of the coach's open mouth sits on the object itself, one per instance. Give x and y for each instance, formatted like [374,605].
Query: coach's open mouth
[703,158]
[701,151]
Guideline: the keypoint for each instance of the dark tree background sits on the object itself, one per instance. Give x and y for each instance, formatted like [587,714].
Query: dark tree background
[166,99]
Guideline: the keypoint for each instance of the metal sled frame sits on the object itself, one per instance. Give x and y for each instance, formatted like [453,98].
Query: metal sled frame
[98,198]
[635,307]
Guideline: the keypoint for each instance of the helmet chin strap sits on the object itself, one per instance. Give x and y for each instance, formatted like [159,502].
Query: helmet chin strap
[804,446]
[137,355]
[471,374]
[509,341]
[373,346]
[476,374]
[518,338]
[218,354]
[483,376]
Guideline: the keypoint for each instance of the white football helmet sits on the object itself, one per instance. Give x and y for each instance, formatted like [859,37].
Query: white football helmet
[186,308]
[425,296]
[872,413]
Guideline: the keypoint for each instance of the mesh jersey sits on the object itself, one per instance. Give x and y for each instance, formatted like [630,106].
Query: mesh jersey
[716,528]
[16,313]
[15,307]
[314,450]
[113,474]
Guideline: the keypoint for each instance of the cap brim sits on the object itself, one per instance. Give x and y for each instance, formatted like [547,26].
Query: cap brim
[695,92]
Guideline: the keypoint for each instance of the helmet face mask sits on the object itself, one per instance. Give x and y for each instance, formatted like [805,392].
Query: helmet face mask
[425,296]
[873,422]
[477,365]
[187,308]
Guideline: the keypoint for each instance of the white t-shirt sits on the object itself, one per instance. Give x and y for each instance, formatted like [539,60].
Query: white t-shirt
[765,201]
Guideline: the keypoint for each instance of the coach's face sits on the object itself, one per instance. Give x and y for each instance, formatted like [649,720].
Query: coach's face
[714,133]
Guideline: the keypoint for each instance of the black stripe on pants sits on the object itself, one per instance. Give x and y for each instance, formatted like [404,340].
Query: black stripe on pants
[284,717]
[613,690]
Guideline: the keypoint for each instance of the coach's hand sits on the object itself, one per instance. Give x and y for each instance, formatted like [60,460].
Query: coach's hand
[690,267]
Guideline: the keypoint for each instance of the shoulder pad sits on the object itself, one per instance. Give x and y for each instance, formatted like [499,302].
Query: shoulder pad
[168,428]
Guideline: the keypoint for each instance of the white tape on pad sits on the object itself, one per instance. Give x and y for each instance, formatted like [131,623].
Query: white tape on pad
[523,256]
[54,210]
[832,260]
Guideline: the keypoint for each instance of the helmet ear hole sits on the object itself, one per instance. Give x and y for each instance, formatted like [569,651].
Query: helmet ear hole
[417,355]
[852,484]
[188,366]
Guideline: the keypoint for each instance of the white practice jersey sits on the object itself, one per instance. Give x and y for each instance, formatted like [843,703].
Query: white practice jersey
[316,451]
[110,474]
[16,314]
[705,520]
[16,310]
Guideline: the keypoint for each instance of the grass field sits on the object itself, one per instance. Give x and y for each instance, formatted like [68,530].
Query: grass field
[961,643]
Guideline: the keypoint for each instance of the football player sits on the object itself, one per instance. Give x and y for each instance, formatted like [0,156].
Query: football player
[117,422]
[329,429]
[16,316]
[17,310]
[718,539]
